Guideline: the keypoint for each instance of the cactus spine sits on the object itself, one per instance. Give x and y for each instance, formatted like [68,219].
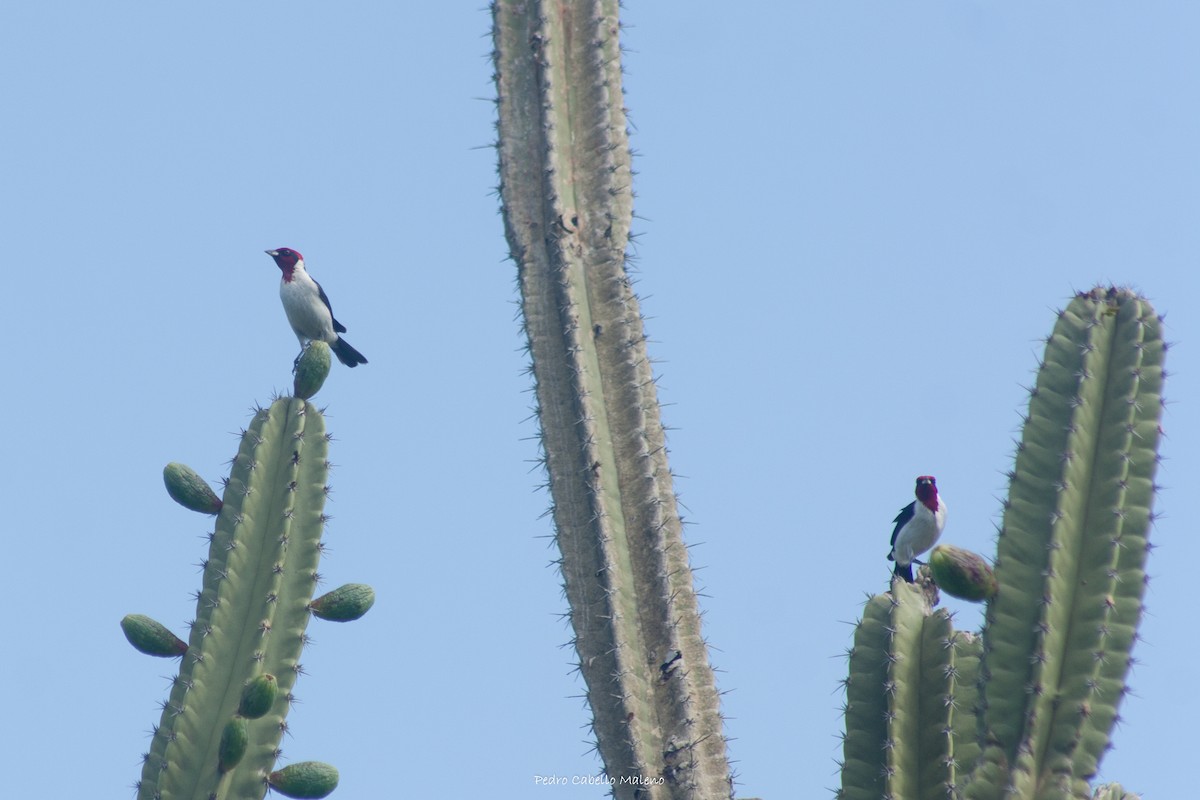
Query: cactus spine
[565,182]
[221,726]
[1071,572]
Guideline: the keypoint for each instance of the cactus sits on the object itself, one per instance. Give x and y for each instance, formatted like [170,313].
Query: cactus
[567,203]
[221,727]
[1023,710]
[1070,570]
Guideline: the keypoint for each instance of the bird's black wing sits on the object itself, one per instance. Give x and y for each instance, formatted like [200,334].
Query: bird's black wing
[337,326]
[903,517]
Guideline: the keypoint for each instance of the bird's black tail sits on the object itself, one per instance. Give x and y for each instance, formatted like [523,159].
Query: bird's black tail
[347,354]
[904,571]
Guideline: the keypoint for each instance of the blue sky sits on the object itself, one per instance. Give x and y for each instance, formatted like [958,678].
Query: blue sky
[855,223]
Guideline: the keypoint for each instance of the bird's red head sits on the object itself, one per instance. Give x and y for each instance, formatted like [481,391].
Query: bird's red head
[927,491]
[285,258]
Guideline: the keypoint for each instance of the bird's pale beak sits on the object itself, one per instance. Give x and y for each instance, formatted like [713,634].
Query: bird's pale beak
[271,253]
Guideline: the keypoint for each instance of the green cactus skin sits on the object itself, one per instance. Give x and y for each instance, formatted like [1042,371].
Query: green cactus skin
[258,696]
[962,574]
[312,370]
[252,610]
[565,183]
[306,780]
[190,490]
[963,699]
[1072,549]
[1113,791]
[152,637]
[345,603]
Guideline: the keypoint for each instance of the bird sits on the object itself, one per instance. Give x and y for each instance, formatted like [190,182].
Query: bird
[308,310]
[918,526]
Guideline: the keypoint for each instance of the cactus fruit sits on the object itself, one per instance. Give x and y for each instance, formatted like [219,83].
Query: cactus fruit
[306,780]
[344,604]
[234,741]
[962,574]
[1069,578]
[152,637]
[312,369]
[258,696]
[189,489]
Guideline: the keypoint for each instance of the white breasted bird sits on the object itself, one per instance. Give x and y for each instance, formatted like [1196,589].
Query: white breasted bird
[308,308]
[918,526]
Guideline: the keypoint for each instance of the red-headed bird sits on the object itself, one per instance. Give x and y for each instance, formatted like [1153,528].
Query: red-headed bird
[308,308]
[918,526]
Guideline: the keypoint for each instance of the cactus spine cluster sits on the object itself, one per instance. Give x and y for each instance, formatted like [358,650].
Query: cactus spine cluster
[565,182]
[1070,567]
[221,726]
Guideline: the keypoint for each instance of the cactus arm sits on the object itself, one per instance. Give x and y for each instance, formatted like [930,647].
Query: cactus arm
[304,469]
[565,184]
[902,699]
[251,611]
[1071,551]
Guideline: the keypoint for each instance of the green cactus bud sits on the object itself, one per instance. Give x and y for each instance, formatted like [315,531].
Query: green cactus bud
[962,574]
[233,744]
[152,637]
[189,489]
[345,603]
[258,696]
[307,779]
[312,370]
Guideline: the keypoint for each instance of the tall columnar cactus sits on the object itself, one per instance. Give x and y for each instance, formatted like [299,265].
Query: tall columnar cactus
[222,724]
[1070,568]
[565,182]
